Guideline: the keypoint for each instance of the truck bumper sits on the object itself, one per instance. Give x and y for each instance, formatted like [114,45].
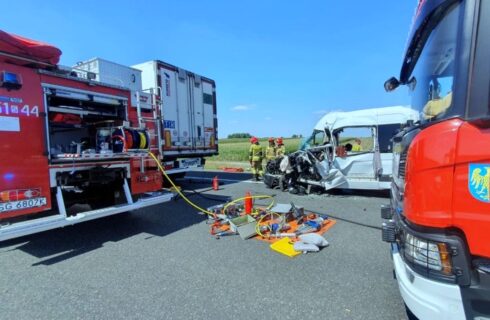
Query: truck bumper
[60,220]
[427,299]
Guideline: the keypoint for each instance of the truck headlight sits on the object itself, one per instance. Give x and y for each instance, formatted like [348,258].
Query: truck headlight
[431,256]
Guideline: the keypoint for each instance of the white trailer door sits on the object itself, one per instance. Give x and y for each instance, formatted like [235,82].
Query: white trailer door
[210,119]
[189,112]
[197,125]
[176,110]
[203,110]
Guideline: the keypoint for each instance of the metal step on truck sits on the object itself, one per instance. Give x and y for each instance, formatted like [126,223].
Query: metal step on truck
[75,141]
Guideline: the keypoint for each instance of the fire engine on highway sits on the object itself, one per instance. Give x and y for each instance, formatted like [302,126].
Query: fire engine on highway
[75,141]
[438,222]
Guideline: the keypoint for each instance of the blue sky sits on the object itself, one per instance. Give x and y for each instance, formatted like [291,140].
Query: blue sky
[278,65]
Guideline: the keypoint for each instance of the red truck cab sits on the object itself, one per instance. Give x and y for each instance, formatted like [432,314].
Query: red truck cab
[438,222]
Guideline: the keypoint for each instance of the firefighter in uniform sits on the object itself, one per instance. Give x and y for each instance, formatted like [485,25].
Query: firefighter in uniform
[255,157]
[270,152]
[280,149]
[357,147]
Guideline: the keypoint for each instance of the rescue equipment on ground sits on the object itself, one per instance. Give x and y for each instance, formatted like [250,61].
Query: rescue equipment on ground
[231,169]
[267,223]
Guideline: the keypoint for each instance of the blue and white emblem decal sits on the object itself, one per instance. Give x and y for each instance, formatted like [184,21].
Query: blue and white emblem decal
[479,181]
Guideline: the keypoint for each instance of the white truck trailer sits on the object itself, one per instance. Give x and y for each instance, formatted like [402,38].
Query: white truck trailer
[190,123]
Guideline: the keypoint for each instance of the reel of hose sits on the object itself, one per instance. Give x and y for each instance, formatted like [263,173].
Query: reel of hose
[136,139]
[147,135]
[128,136]
[143,142]
[118,141]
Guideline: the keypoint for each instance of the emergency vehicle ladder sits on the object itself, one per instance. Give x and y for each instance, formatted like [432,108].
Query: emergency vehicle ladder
[155,119]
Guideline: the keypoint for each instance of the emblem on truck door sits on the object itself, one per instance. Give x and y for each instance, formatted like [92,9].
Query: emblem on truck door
[479,181]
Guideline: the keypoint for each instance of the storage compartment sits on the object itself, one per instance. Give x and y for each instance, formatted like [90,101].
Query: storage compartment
[97,188]
[89,125]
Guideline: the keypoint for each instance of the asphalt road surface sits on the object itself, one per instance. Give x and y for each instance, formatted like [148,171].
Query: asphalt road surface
[162,263]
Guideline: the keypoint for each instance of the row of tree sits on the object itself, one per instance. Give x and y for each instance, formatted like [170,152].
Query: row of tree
[248,135]
[239,135]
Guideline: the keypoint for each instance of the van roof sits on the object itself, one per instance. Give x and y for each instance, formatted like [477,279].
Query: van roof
[367,117]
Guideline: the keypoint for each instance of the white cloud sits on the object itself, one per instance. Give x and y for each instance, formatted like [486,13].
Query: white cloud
[243,107]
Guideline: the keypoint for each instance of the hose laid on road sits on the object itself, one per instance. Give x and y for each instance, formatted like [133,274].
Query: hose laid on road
[192,192]
[241,199]
[349,221]
[192,204]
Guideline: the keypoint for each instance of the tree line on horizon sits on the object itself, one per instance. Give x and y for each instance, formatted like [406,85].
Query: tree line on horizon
[248,135]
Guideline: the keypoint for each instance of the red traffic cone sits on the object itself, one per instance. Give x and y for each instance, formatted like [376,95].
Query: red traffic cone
[215,183]
[248,203]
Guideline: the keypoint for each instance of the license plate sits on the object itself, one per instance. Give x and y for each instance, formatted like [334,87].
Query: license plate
[22,204]
[187,163]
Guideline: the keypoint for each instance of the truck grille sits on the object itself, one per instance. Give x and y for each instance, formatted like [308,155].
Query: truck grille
[402,164]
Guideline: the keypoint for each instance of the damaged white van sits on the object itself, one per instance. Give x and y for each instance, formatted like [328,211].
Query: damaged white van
[347,150]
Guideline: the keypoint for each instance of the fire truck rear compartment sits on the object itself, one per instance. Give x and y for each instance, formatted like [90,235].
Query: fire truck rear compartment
[81,129]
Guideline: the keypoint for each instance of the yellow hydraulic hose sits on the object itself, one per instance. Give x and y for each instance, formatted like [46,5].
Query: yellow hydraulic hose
[257,226]
[193,204]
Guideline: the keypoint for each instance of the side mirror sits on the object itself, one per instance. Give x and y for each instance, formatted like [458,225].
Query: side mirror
[391,84]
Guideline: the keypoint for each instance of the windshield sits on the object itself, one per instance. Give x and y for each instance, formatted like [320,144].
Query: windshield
[317,138]
[431,82]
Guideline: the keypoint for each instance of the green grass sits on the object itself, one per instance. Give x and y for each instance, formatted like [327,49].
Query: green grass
[234,152]
[237,149]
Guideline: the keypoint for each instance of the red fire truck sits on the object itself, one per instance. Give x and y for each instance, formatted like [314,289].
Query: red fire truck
[438,222]
[74,147]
